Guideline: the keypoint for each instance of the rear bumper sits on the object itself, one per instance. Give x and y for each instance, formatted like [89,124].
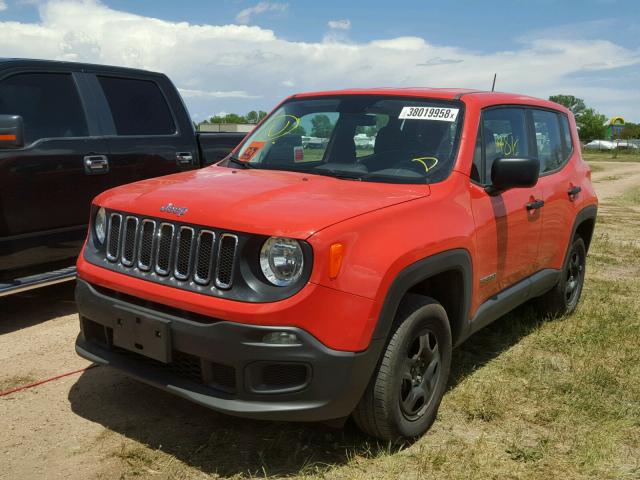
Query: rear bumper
[226,365]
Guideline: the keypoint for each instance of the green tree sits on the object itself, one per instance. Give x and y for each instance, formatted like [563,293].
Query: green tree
[252,116]
[575,104]
[228,118]
[591,125]
[630,130]
[299,130]
[261,114]
[322,126]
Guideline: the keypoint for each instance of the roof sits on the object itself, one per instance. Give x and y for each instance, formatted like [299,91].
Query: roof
[480,97]
[36,63]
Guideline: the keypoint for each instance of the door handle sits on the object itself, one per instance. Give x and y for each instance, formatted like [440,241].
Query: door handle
[536,204]
[96,164]
[573,191]
[184,159]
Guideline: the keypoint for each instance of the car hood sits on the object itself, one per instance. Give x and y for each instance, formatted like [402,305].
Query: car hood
[267,202]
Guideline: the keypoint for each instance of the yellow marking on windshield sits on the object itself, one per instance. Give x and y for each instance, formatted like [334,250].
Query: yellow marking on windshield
[422,160]
[291,122]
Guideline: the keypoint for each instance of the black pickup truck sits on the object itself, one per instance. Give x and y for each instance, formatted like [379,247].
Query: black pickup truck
[69,131]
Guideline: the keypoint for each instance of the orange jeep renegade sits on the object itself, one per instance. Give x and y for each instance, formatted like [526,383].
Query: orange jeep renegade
[329,265]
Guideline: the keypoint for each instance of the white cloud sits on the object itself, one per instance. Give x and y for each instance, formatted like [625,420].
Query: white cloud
[241,68]
[3,5]
[245,15]
[189,93]
[343,24]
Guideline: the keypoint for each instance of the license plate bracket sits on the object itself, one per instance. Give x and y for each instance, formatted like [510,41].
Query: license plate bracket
[150,337]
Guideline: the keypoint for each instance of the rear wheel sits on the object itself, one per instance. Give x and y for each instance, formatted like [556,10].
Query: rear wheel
[564,297]
[403,396]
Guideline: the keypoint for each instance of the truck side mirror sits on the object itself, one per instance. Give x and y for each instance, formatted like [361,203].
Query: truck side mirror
[11,131]
[509,173]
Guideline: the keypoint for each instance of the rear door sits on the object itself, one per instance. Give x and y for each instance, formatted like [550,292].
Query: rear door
[560,185]
[507,228]
[44,186]
[146,137]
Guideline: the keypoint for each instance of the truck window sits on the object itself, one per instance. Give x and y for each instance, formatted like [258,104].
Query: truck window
[48,103]
[548,140]
[137,106]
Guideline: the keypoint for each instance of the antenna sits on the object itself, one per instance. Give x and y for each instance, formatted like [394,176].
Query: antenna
[493,87]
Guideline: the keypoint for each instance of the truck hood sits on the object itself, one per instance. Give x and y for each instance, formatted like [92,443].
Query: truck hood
[266,202]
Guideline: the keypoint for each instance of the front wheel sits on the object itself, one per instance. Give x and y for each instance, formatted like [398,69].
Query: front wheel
[403,396]
[563,298]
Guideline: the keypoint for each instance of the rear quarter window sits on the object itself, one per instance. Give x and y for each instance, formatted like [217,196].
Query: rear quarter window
[566,132]
[138,107]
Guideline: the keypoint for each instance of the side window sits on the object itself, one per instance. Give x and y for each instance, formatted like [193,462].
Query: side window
[548,140]
[137,106]
[504,136]
[566,131]
[48,103]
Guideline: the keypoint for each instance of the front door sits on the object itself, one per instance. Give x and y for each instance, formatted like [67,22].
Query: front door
[44,186]
[509,223]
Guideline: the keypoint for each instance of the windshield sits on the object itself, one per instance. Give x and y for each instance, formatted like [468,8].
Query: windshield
[358,137]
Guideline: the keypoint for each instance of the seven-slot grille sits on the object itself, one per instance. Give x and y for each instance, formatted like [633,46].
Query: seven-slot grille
[172,250]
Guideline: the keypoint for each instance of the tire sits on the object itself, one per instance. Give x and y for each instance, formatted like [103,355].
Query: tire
[404,393]
[563,298]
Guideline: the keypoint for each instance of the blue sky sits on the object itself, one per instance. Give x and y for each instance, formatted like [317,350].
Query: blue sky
[234,55]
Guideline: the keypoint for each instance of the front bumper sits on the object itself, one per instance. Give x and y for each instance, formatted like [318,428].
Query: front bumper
[226,365]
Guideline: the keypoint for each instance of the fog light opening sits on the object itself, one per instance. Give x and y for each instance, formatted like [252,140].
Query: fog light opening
[281,338]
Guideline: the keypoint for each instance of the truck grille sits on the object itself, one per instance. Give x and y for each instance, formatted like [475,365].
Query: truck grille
[171,250]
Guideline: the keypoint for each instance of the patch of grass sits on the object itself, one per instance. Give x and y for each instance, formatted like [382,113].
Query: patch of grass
[611,178]
[596,168]
[611,156]
[630,197]
[525,453]
[15,381]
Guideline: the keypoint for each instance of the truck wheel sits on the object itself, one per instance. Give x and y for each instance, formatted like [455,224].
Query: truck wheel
[563,298]
[403,396]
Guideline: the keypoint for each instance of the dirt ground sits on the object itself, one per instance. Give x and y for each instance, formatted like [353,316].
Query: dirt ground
[92,424]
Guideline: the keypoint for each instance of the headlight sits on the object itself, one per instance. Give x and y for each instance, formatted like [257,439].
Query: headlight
[281,261]
[100,225]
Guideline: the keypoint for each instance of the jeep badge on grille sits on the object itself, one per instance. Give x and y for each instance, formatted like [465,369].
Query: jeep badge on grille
[171,208]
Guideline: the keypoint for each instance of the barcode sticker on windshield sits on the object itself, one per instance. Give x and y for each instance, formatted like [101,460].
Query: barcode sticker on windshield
[429,113]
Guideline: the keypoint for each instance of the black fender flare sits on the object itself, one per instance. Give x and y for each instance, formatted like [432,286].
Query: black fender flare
[590,212]
[456,259]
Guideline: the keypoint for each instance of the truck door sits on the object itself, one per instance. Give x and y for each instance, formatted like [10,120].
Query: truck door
[508,224]
[46,186]
[146,137]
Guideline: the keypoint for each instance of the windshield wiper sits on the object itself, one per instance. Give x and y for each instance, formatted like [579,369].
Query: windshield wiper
[238,162]
[368,176]
[340,174]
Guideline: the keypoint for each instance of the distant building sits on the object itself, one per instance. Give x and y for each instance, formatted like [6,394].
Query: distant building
[226,127]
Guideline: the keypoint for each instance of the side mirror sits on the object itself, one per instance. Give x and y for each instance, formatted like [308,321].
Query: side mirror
[11,131]
[509,173]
